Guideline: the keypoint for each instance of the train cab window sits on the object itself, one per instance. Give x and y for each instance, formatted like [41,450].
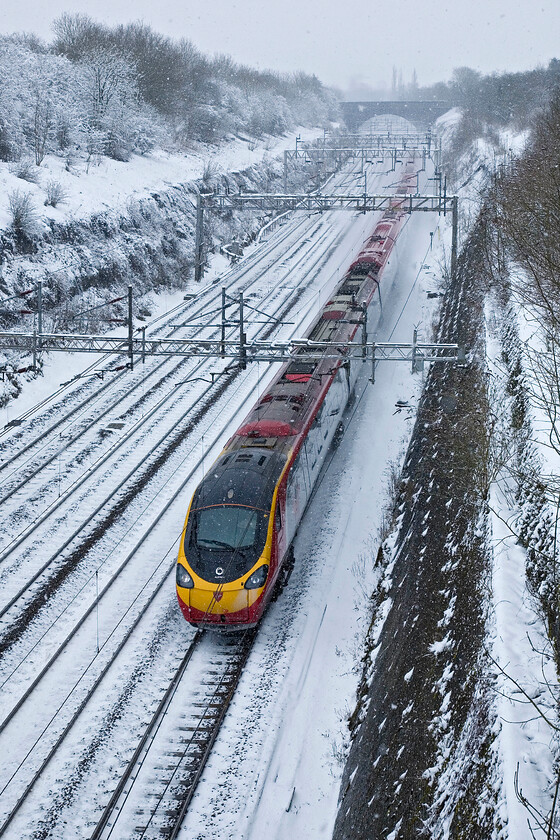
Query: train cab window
[226,527]
[277,518]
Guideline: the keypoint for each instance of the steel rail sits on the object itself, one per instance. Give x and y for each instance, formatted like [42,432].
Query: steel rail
[196,748]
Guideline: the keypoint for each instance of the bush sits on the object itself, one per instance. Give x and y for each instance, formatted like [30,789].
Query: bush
[56,194]
[22,211]
[26,170]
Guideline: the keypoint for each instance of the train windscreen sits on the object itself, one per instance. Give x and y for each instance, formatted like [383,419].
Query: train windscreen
[223,542]
[227,527]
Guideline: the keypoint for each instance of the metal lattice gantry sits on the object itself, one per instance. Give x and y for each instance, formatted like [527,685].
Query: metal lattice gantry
[363,146]
[387,140]
[240,351]
[318,203]
[395,151]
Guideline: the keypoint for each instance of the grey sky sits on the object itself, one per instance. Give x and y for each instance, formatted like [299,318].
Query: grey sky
[341,42]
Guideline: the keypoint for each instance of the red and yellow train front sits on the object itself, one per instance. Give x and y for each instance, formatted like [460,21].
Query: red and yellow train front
[228,556]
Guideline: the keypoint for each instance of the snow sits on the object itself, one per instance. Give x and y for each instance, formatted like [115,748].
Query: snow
[276,767]
[527,742]
[441,646]
[526,680]
[102,183]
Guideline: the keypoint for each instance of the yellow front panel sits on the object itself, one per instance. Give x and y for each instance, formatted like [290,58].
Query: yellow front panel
[233,598]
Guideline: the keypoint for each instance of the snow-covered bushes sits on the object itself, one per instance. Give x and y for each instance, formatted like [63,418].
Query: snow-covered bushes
[22,212]
[55,193]
[523,206]
[49,104]
[116,91]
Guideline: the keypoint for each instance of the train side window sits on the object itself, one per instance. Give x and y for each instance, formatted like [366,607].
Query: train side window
[277,518]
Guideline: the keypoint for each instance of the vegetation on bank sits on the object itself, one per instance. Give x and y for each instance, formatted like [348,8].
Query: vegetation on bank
[120,90]
[524,253]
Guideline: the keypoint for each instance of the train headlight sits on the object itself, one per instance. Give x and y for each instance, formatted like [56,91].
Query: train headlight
[257,579]
[183,577]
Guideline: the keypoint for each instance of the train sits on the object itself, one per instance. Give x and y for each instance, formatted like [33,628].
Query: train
[236,548]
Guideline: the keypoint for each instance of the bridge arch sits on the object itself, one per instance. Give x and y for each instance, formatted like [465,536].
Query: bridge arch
[421,113]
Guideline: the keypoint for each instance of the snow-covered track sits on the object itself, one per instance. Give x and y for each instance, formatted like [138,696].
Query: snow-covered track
[115,599]
[157,785]
[49,671]
[236,278]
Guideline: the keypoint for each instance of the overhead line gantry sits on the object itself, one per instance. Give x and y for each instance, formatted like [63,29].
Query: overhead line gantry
[363,147]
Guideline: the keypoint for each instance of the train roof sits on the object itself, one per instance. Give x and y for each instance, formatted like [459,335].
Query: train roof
[242,477]
[284,413]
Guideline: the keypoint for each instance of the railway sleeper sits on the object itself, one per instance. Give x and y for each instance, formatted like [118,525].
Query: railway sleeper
[225,682]
[194,728]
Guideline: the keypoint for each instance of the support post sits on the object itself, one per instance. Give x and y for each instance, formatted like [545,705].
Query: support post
[417,357]
[242,336]
[364,330]
[222,343]
[143,345]
[372,377]
[454,224]
[130,344]
[40,310]
[198,241]
[34,351]
[285,171]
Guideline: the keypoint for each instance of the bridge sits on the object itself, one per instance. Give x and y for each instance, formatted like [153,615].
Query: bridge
[420,113]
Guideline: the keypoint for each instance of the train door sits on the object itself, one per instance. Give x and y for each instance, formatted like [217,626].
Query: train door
[297,493]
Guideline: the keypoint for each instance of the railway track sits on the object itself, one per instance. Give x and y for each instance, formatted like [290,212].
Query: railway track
[178,740]
[104,597]
[91,409]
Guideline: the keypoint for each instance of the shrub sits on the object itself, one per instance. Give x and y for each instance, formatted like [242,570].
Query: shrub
[26,170]
[56,194]
[22,212]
